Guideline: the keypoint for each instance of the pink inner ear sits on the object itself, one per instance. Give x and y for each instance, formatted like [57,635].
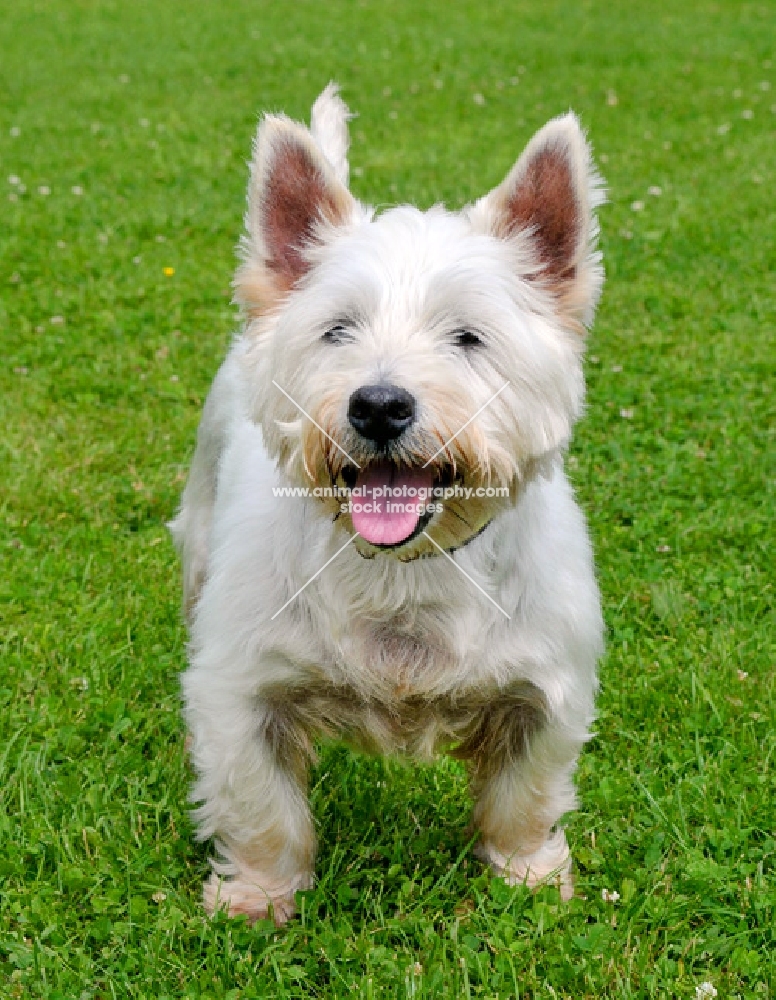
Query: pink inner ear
[544,200]
[296,197]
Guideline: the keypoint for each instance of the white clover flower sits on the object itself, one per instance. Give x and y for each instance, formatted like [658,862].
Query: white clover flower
[15,131]
[655,191]
[77,190]
[44,190]
[610,896]
[704,990]
[13,179]
[478,98]
[637,206]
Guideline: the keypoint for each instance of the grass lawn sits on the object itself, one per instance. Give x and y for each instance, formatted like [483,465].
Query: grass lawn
[124,132]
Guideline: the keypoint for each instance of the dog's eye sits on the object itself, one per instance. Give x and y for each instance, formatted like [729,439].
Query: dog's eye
[465,338]
[337,334]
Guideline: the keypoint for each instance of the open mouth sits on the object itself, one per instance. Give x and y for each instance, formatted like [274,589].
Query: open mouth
[391,504]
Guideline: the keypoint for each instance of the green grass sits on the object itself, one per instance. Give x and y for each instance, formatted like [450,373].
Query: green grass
[149,107]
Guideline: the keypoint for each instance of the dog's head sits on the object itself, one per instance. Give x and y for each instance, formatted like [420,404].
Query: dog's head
[416,357]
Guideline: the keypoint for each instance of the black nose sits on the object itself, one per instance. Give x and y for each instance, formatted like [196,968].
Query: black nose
[381,412]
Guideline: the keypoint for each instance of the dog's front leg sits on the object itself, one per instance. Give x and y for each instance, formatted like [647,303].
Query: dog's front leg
[521,776]
[251,760]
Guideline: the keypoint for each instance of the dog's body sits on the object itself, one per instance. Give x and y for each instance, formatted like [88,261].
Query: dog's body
[416,351]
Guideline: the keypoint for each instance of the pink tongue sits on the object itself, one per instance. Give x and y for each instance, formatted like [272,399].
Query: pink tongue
[393,514]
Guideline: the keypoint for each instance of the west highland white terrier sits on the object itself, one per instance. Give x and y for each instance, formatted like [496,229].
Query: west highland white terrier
[378,539]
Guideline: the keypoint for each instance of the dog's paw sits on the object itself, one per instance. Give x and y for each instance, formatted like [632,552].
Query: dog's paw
[550,865]
[253,896]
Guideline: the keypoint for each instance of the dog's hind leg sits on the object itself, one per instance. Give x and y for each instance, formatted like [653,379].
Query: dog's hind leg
[251,761]
[522,769]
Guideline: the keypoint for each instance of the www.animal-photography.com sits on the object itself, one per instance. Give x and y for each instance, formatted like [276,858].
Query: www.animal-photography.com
[388,465]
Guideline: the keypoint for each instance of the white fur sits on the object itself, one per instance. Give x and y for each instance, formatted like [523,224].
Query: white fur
[370,639]
[329,127]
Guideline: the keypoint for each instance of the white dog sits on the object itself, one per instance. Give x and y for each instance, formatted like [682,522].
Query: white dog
[433,358]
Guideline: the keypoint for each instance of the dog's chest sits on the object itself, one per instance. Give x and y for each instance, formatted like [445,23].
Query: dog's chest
[398,659]
[407,686]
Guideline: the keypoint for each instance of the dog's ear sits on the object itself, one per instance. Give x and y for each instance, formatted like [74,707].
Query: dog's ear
[549,199]
[329,127]
[295,200]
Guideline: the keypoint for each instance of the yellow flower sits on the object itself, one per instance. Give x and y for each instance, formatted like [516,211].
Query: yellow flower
[169,271]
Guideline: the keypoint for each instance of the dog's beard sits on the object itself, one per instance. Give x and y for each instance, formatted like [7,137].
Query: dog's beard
[421,486]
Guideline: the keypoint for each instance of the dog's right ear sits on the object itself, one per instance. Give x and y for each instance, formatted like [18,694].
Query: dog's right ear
[548,203]
[295,199]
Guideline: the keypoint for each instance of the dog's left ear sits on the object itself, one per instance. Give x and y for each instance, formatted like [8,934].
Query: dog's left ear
[548,202]
[297,198]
